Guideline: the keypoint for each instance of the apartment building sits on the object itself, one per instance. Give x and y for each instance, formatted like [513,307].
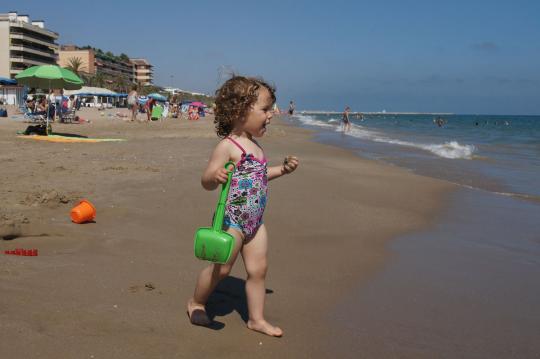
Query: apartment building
[142,71]
[96,61]
[85,57]
[24,43]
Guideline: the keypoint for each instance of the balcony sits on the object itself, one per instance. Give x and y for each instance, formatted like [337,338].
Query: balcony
[33,50]
[33,39]
[22,26]
[29,60]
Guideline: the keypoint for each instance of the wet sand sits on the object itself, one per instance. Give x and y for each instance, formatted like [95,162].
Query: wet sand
[117,288]
[465,288]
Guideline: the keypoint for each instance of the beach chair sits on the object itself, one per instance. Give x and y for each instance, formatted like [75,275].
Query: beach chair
[67,116]
[36,117]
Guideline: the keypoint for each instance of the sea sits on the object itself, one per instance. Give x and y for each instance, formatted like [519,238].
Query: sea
[495,153]
[469,285]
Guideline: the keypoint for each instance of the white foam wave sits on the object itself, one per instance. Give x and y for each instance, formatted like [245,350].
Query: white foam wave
[451,149]
[311,121]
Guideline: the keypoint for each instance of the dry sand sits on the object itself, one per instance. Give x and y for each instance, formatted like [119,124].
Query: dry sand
[117,288]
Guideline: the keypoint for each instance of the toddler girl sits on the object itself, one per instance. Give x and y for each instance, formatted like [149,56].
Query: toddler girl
[243,110]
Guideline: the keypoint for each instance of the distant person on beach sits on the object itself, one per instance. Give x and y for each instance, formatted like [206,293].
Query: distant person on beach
[51,107]
[276,109]
[345,120]
[149,106]
[291,108]
[132,102]
[243,111]
[42,106]
[71,102]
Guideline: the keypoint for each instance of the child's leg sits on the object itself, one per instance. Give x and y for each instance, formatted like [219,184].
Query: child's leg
[211,275]
[254,254]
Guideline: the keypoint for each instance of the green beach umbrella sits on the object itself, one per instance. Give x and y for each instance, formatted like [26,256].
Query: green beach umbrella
[49,77]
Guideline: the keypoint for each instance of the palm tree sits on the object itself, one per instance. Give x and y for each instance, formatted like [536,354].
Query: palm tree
[120,83]
[99,79]
[75,65]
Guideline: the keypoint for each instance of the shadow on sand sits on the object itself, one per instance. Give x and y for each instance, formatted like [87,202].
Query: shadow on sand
[69,135]
[229,296]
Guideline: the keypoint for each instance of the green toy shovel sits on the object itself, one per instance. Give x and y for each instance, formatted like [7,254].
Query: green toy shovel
[214,244]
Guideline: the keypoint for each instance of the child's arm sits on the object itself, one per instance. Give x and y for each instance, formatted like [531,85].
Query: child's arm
[289,165]
[215,173]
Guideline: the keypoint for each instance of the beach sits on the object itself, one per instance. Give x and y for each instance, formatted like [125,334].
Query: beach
[118,287]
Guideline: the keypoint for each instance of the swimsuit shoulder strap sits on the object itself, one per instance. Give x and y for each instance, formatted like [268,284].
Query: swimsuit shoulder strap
[237,144]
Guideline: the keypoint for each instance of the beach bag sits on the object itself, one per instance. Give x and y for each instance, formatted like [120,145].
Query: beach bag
[3,112]
[36,130]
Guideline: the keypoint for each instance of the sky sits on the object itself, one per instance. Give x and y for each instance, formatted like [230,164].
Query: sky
[473,57]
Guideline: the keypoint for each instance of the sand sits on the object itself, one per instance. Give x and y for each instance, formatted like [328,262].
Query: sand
[117,288]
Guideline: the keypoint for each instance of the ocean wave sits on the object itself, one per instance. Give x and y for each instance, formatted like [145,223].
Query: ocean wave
[312,121]
[450,150]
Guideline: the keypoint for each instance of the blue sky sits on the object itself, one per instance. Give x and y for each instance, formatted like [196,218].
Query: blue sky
[460,56]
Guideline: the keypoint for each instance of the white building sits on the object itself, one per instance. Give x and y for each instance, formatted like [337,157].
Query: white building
[24,43]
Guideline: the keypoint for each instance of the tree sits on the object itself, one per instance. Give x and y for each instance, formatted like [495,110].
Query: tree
[98,80]
[124,57]
[120,84]
[75,64]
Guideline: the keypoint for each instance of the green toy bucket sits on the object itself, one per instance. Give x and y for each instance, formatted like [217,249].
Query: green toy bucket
[212,243]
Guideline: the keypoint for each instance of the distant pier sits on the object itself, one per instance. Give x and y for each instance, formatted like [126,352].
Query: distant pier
[374,113]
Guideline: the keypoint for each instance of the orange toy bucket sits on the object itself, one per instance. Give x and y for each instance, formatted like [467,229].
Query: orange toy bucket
[84,211]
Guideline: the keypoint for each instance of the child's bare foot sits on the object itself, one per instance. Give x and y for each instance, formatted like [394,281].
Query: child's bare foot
[197,314]
[264,327]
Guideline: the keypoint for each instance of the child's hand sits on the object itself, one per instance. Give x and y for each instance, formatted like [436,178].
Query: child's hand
[289,164]
[221,175]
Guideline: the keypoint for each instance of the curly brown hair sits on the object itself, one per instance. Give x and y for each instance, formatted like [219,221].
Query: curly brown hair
[234,99]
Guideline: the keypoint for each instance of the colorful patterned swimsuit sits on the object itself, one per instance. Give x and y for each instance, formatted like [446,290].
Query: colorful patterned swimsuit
[247,194]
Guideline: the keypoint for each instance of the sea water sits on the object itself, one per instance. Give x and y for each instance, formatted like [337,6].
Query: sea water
[467,286]
[495,153]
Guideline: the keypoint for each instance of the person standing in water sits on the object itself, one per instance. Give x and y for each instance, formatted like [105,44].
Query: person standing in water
[345,121]
[291,108]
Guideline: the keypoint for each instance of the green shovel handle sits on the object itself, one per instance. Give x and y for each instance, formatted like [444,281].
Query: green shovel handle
[220,209]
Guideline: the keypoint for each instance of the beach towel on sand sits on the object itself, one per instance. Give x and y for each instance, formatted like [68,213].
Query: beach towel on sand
[67,139]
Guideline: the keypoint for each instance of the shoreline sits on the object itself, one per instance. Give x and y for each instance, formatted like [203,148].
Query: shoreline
[329,225]
[448,278]
[456,283]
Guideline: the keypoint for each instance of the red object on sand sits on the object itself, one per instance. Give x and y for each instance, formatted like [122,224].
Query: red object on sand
[23,252]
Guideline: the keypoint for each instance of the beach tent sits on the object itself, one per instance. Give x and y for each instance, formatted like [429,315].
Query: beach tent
[6,81]
[11,93]
[96,93]
[90,91]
